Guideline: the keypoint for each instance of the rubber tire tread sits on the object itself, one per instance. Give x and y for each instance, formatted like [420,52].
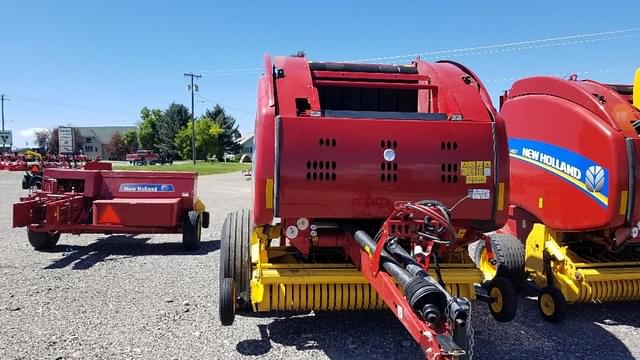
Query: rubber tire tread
[42,240]
[226,307]
[191,231]
[35,182]
[509,254]
[509,299]
[559,301]
[235,256]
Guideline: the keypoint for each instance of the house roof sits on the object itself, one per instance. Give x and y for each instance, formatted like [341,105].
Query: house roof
[246,138]
[103,133]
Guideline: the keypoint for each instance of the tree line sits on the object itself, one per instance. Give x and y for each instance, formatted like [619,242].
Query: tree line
[168,133]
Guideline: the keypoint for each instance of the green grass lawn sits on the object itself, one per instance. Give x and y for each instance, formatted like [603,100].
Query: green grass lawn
[201,167]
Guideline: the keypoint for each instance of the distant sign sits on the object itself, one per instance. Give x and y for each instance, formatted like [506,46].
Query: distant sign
[65,140]
[5,138]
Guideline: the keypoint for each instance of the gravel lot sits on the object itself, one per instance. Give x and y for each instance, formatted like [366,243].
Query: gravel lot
[116,297]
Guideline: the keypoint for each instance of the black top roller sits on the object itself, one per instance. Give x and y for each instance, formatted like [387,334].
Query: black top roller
[367,68]
[623,89]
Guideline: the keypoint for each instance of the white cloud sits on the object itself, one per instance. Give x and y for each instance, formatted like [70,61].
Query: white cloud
[29,133]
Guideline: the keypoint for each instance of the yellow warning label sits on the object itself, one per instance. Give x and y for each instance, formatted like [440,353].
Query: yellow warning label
[476,172]
[476,179]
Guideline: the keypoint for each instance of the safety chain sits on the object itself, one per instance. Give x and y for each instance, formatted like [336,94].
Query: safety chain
[470,332]
[470,336]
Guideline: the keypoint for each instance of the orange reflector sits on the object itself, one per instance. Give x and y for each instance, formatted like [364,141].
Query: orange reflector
[35,168]
[109,216]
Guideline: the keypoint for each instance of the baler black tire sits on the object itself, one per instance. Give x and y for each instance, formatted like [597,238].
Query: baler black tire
[191,231]
[227,301]
[35,182]
[559,310]
[509,255]
[205,219]
[42,240]
[508,299]
[235,261]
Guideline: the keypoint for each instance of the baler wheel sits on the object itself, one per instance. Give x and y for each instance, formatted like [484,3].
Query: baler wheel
[227,305]
[42,240]
[504,301]
[191,231]
[235,260]
[552,305]
[35,182]
[508,259]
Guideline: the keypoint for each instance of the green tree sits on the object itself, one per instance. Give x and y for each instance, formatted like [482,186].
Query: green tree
[227,141]
[42,138]
[117,147]
[78,141]
[148,128]
[174,118]
[207,133]
[130,139]
[52,148]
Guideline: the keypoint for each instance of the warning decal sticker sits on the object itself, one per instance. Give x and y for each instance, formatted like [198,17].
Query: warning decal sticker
[475,172]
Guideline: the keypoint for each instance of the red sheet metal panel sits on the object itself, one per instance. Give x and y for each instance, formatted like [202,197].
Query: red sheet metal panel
[91,178]
[358,168]
[137,212]
[22,212]
[569,163]
[150,184]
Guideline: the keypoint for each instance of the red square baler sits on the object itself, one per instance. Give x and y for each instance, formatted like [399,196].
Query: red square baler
[98,200]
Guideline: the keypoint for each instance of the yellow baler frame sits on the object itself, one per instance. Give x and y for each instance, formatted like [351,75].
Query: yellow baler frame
[295,286]
[579,280]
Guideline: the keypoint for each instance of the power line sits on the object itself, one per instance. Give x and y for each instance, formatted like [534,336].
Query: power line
[504,50]
[566,40]
[564,75]
[494,46]
[83,107]
[226,106]
[232,70]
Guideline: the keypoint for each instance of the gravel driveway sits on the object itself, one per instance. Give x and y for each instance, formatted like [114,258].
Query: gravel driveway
[99,297]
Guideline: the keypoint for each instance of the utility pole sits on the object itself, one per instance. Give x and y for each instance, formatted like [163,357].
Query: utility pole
[3,98]
[193,88]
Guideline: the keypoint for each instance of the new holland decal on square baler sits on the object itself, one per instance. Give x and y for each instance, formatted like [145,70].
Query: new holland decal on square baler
[369,182]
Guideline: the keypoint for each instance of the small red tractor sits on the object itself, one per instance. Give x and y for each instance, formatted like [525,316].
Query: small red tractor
[369,182]
[575,190]
[97,200]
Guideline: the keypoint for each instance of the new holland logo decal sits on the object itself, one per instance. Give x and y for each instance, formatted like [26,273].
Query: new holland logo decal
[594,179]
[142,187]
[581,172]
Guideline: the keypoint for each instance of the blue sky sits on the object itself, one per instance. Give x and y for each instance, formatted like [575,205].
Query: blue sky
[99,62]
